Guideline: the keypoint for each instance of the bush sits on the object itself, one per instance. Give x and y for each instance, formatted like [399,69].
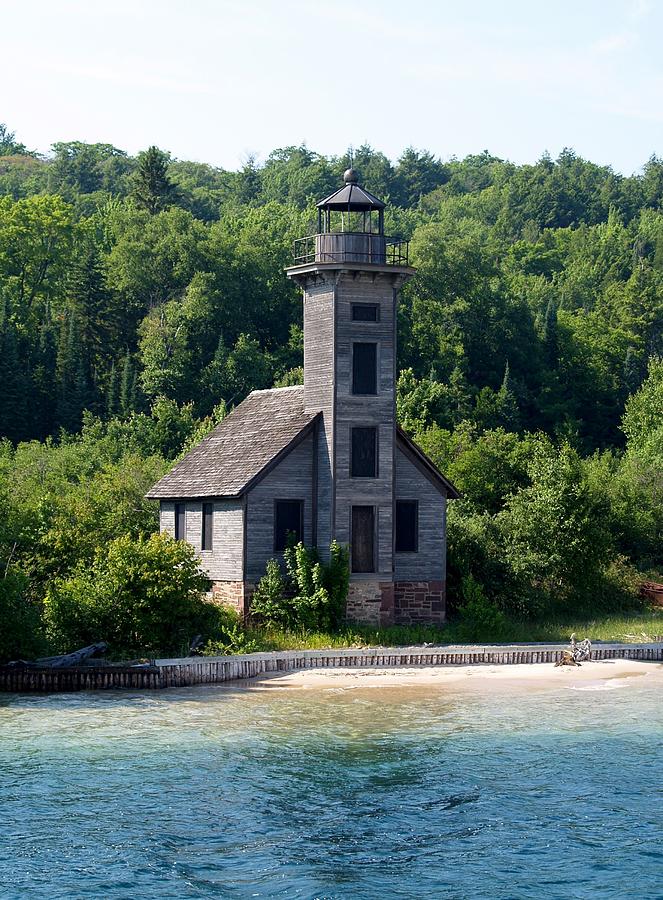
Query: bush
[480,618]
[21,632]
[144,597]
[268,601]
[312,596]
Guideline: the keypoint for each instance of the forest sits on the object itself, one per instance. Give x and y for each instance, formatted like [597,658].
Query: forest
[143,297]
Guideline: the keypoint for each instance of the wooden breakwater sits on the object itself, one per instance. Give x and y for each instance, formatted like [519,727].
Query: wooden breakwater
[24,679]
[189,671]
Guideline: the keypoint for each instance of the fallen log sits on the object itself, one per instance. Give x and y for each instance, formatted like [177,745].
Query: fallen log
[77,658]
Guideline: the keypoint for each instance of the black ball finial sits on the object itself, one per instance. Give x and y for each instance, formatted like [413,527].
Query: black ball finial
[350,176]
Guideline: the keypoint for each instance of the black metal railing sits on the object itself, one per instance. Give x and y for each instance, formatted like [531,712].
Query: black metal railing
[351,247]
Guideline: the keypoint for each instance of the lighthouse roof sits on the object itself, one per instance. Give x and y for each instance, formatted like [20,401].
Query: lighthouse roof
[351,197]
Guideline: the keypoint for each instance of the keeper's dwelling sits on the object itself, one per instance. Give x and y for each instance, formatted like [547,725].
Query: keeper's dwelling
[326,459]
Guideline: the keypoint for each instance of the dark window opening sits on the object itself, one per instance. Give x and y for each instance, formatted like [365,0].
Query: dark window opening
[208,527]
[180,521]
[364,455]
[407,526]
[288,522]
[363,539]
[365,312]
[364,368]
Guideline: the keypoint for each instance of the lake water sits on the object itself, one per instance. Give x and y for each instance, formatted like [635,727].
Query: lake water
[334,793]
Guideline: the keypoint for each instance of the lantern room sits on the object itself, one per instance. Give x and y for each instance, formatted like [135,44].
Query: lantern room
[351,230]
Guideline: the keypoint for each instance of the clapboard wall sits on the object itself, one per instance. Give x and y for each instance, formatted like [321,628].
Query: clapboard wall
[359,410]
[225,561]
[429,562]
[291,479]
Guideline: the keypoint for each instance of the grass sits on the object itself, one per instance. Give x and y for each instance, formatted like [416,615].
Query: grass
[641,627]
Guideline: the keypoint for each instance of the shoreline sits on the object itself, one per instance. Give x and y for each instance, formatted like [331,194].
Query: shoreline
[606,674]
[404,661]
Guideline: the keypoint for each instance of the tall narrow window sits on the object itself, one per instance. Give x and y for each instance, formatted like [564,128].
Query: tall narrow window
[363,539]
[364,368]
[407,526]
[207,537]
[365,312]
[288,522]
[364,455]
[180,521]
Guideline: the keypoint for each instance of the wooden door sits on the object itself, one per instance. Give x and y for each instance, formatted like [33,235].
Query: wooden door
[363,539]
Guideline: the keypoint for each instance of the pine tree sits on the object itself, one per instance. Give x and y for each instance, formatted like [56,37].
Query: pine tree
[112,400]
[632,373]
[44,380]
[460,395]
[550,341]
[73,392]
[127,386]
[93,303]
[14,382]
[153,189]
[508,403]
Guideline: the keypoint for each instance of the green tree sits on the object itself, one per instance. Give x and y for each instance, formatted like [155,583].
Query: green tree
[153,190]
[9,146]
[142,596]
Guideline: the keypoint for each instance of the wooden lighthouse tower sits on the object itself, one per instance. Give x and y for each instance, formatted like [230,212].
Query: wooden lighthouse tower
[351,274]
[325,460]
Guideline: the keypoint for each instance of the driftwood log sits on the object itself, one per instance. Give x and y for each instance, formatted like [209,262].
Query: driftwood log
[579,653]
[77,658]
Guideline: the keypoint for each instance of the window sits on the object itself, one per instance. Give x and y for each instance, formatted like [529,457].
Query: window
[363,539]
[364,453]
[180,521]
[207,537]
[364,368]
[407,526]
[288,522]
[365,312]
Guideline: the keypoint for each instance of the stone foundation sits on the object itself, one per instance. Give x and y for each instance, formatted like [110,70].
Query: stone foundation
[235,594]
[374,603]
[370,603]
[419,602]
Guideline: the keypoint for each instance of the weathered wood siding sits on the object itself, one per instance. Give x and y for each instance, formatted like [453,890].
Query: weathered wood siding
[378,410]
[429,562]
[319,300]
[225,561]
[291,479]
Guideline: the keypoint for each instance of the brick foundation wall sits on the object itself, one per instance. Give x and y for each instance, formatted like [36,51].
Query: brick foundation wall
[419,602]
[235,594]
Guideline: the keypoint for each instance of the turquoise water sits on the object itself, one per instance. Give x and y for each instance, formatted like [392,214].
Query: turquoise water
[338,793]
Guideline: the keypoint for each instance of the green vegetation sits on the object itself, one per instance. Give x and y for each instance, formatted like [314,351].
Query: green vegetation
[636,628]
[312,595]
[141,298]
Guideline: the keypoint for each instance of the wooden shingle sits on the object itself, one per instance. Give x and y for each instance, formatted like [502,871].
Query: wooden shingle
[254,436]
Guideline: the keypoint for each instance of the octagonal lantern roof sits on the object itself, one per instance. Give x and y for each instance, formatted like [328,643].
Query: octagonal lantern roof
[351,197]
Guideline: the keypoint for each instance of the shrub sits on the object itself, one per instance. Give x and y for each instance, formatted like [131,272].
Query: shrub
[268,601]
[232,638]
[480,618]
[21,632]
[144,597]
[312,596]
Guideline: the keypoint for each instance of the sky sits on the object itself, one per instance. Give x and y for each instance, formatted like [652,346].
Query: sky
[219,81]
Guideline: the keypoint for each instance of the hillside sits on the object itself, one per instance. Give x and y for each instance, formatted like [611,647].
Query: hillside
[140,298]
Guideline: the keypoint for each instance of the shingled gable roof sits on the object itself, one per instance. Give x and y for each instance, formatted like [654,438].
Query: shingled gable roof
[256,435]
[426,465]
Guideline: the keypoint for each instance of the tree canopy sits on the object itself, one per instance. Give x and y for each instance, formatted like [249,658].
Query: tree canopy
[141,295]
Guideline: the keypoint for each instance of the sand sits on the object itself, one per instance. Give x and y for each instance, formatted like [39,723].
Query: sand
[609,674]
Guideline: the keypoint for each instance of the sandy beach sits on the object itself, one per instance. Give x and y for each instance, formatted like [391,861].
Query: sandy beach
[609,674]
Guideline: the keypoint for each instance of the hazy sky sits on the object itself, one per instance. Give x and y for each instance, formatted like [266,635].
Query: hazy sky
[216,80]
